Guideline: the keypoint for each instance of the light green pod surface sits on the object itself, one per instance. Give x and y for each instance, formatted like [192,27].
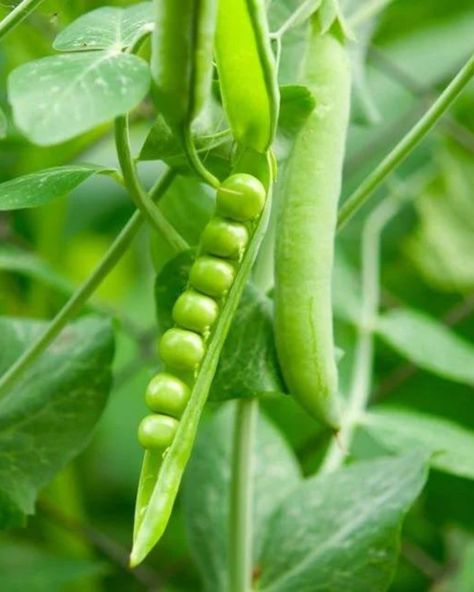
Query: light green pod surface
[247,72]
[181,60]
[305,237]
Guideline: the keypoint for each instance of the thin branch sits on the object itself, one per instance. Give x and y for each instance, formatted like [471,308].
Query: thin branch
[141,199]
[18,15]
[402,150]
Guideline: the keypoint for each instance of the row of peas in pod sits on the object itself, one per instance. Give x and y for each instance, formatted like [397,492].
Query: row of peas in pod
[239,202]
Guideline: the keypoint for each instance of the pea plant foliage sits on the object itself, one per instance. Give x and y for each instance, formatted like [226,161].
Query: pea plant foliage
[236,349]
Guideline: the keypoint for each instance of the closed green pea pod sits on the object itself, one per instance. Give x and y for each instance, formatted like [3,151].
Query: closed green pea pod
[182,349]
[181,63]
[195,311]
[305,237]
[247,72]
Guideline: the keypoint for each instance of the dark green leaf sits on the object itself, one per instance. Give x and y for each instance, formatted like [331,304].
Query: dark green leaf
[341,531]
[297,103]
[57,98]
[429,344]
[108,27]
[248,365]
[48,416]
[206,506]
[451,445]
[28,568]
[37,189]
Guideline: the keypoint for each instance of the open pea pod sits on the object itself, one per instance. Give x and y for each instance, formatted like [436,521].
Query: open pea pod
[249,86]
[163,468]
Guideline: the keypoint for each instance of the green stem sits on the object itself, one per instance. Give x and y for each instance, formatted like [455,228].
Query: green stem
[407,144]
[82,294]
[361,380]
[195,161]
[241,496]
[141,199]
[17,15]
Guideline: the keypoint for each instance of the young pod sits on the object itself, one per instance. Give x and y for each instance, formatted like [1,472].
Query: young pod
[305,237]
[181,59]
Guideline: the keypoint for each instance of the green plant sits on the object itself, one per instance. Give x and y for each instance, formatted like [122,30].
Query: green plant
[215,146]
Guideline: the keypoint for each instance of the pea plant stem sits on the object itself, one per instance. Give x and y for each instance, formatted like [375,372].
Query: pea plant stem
[195,161]
[17,15]
[73,306]
[407,144]
[141,199]
[362,372]
[241,496]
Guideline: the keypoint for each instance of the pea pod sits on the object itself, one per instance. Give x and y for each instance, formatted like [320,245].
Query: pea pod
[305,237]
[191,357]
[181,63]
[249,87]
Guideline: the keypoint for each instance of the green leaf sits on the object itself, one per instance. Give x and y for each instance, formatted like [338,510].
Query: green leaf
[206,507]
[445,230]
[16,260]
[37,189]
[464,581]
[346,290]
[341,531]
[48,416]
[297,103]
[248,365]
[108,27]
[57,98]
[451,445]
[428,344]
[24,567]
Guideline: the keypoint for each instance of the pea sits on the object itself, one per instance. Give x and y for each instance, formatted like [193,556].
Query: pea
[182,349]
[212,276]
[241,197]
[195,311]
[224,238]
[156,432]
[167,394]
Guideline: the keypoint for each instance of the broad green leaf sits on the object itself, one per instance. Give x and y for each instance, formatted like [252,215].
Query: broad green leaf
[451,445]
[17,260]
[341,531]
[107,27]
[37,189]
[428,344]
[24,567]
[248,365]
[48,416]
[206,506]
[444,237]
[57,98]
[297,103]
